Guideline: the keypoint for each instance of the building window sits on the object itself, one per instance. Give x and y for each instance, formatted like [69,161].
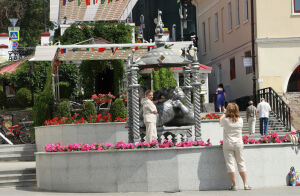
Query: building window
[296,6]
[216,26]
[232,69]
[249,70]
[246,13]
[203,38]
[237,12]
[229,17]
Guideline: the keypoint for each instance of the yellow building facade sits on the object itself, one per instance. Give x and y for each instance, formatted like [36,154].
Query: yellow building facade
[224,32]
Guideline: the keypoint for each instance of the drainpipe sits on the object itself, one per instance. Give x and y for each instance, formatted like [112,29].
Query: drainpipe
[253,51]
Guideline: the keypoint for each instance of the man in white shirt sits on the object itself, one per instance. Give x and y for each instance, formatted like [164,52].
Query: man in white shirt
[263,110]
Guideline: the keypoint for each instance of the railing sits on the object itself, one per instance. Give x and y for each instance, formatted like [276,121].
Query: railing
[281,110]
[20,53]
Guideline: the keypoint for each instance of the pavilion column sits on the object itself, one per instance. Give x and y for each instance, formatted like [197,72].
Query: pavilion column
[129,102]
[135,101]
[197,105]
[187,86]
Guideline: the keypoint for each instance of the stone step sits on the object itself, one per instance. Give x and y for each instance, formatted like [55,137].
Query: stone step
[18,183]
[17,174]
[20,177]
[31,152]
[16,157]
[19,147]
[30,171]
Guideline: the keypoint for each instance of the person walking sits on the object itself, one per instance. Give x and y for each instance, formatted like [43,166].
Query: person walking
[263,109]
[220,97]
[251,114]
[150,115]
[233,145]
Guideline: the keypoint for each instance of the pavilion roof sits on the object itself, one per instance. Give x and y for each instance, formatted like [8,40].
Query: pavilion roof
[91,52]
[89,10]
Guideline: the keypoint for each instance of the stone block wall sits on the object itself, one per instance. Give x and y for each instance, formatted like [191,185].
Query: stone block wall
[293,100]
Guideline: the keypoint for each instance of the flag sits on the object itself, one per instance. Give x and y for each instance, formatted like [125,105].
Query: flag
[88,2]
[102,1]
[87,49]
[101,49]
[94,2]
[108,1]
[64,2]
[63,50]
[136,48]
[79,2]
[115,50]
[92,49]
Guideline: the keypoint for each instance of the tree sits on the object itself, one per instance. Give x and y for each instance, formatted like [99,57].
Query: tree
[31,19]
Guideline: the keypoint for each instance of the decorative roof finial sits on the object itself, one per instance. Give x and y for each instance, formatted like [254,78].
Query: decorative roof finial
[159,30]
[195,59]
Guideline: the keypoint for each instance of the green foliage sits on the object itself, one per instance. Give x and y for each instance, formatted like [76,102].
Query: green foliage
[43,102]
[156,82]
[118,67]
[65,90]
[88,110]
[75,34]
[32,79]
[63,109]
[118,109]
[170,78]
[31,19]
[89,71]
[2,99]
[163,78]
[115,32]
[24,97]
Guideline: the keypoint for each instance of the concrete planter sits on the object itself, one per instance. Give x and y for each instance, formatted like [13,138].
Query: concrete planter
[148,170]
[211,129]
[80,133]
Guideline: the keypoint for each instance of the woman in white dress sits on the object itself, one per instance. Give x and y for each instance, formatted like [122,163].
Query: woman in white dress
[150,115]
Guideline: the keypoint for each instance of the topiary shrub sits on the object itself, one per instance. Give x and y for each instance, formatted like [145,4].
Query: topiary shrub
[43,102]
[63,109]
[2,99]
[88,110]
[65,90]
[24,97]
[118,109]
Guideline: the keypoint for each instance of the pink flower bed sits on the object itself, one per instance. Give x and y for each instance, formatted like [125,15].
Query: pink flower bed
[272,137]
[59,147]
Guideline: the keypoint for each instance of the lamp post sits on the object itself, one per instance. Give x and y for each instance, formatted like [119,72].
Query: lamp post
[253,51]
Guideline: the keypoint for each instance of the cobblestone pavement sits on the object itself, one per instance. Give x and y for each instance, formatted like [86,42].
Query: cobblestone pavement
[277,191]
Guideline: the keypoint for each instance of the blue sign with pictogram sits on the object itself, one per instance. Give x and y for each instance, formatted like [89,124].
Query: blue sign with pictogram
[15,44]
[14,35]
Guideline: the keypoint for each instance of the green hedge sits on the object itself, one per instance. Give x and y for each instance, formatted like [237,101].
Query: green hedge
[63,109]
[24,97]
[118,109]
[88,110]
[43,102]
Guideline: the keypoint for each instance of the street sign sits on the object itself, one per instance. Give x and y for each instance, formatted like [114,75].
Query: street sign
[13,28]
[15,44]
[247,62]
[14,35]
